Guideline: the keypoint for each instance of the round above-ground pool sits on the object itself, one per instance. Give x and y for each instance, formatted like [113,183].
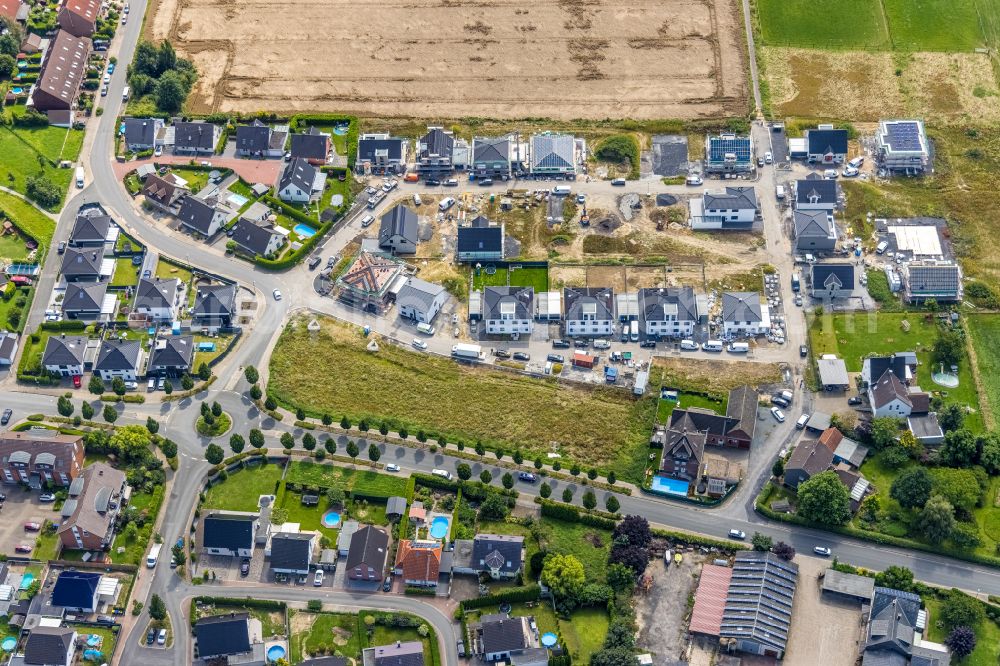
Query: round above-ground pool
[549,639]
[330,519]
[276,652]
[304,230]
[26,581]
[17,91]
[341,130]
[439,527]
[8,644]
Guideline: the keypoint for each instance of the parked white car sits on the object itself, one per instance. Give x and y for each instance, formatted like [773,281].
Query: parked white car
[419,344]
[778,415]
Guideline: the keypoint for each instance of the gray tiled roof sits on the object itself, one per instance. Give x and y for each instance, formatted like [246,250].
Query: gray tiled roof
[215,301]
[82,263]
[156,293]
[228,531]
[311,145]
[521,297]
[497,551]
[480,239]
[197,214]
[223,635]
[291,551]
[580,301]
[252,236]
[418,293]
[887,388]
[816,191]
[192,135]
[64,351]
[813,224]
[836,276]
[552,151]
[90,228]
[398,654]
[739,198]
[437,143]
[48,645]
[84,296]
[490,149]
[653,301]
[822,141]
[741,306]
[172,352]
[118,355]
[368,147]
[253,138]
[398,221]
[298,173]
[503,634]
[140,131]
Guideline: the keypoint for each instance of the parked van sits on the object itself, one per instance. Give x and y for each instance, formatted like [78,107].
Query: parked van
[451,182]
[787,395]
[779,192]
[779,401]
[738,347]
[633,334]
[151,384]
[882,247]
[367,220]
[562,190]
[154,554]
[79,177]
[618,182]
[796,285]
[445,204]
[417,201]
[712,345]
[689,345]
[411,178]
[801,423]
[443,473]
[425,328]
[602,344]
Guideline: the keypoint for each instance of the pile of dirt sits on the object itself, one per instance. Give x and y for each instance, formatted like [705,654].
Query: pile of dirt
[608,225]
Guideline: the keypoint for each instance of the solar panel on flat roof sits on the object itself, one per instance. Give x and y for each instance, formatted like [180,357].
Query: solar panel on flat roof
[720,146]
[904,136]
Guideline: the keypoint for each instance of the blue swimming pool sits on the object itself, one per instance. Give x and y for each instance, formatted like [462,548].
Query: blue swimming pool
[304,230]
[237,199]
[275,652]
[549,639]
[9,644]
[17,91]
[26,581]
[341,130]
[439,527]
[668,486]
[331,519]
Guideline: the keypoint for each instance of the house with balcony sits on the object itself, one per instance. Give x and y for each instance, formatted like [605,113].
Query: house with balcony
[90,513]
[669,312]
[590,311]
[381,154]
[434,153]
[40,457]
[729,209]
[508,310]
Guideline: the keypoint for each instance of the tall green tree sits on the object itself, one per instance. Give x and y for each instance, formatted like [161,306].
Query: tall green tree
[959,448]
[824,499]
[937,519]
[564,575]
[214,454]
[912,488]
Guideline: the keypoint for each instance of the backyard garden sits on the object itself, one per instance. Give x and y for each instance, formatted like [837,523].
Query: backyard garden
[347,634]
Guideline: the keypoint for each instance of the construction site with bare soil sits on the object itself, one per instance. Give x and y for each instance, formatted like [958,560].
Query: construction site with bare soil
[562,59]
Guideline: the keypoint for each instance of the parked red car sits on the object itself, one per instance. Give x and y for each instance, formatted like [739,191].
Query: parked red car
[32,527]
[77,381]
[23,548]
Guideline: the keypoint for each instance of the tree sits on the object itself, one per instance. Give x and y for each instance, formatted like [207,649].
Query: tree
[270,403]
[612,478]
[335,495]
[545,491]
[784,551]
[591,473]
[96,384]
[824,499]
[589,500]
[961,610]
[152,425]
[374,453]
[130,442]
[778,468]
[64,406]
[518,456]
[131,532]
[494,507]
[937,519]
[966,536]
[330,445]
[567,495]
[909,443]
[961,641]
[118,386]
[564,575]
[951,416]
[961,487]
[43,191]
[480,449]
[7,63]
[894,456]
[169,448]
[204,372]
[633,530]
[959,448]
[345,423]
[187,383]
[383,428]
[538,463]
[214,454]
[633,557]
[251,374]
[612,504]
[949,348]
[168,387]
[896,577]
[300,414]
[157,609]
[110,415]
[326,419]
[464,471]
[884,431]
[236,442]
[256,438]
[308,441]
[287,440]
[216,409]
[620,577]
[912,488]
[619,656]
[507,480]
[575,469]
[485,476]
[989,452]
[87,410]
[352,449]
[761,542]
[170,93]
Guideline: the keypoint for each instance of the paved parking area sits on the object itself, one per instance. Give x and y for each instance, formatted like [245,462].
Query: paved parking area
[228,568]
[21,506]
[824,631]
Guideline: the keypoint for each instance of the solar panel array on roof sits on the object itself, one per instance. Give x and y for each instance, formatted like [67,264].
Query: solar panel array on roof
[904,135]
[759,602]
[720,146]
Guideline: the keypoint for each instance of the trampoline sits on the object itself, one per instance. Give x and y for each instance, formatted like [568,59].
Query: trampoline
[490,269]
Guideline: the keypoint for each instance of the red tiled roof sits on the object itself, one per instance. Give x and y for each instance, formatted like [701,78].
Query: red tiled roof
[710,599]
[8,8]
[830,438]
[420,561]
[370,273]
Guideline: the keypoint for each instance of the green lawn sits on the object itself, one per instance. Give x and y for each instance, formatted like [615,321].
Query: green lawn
[9,307]
[26,217]
[326,475]
[167,269]
[196,178]
[457,401]
[320,637]
[987,637]
[272,622]
[46,545]
[222,343]
[589,544]
[537,277]
[107,636]
[852,337]
[135,550]
[241,188]
[934,25]
[687,400]
[984,331]
[334,186]
[484,279]
[822,23]
[27,152]
[242,489]
[126,273]
[307,516]
[386,635]
[13,248]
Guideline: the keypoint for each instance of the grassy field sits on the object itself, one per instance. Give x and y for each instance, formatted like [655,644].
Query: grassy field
[136,549]
[126,273]
[934,25]
[589,544]
[597,426]
[359,480]
[985,333]
[166,269]
[196,178]
[222,343]
[28,152]
[13,248]
[240,491]
[687,400]
[854,337]
[536,277]
[27,218]
[987,637]
[348,640]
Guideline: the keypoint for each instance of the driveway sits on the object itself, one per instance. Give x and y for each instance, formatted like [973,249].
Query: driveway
[21,506]
[252,171]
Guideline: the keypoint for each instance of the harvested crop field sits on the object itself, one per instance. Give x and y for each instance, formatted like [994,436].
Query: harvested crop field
[454,58]
[593,425]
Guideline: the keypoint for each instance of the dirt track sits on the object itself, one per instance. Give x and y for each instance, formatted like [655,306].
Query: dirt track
[560,59]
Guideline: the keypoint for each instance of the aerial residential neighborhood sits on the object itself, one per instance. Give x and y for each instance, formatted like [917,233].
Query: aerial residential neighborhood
[513,334]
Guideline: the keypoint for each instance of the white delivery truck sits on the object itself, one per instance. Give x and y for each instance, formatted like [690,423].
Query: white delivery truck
[712,345]
[633,332]
[562,190]
[154,554]
[738,347]
[467,352]
[125,94]
[425,328]
[602,344]
[79,177]
[689,345]
[445,204]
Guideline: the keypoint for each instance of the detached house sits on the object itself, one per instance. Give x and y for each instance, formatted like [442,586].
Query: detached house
[894,635]
[410,653]
[901,364]
[158,299]
[214,307]
[257,239]
[816,194]
[312,146]
[902,146]
[164,192]
[92,228]
[501,638]
[744,314]
[120,358]
[90,514]
[202,217]
[925,280]
[590,311]
[85,300]
[367,554]
[832,281]
[82,265]
[420,300]
[229,639]
[171,356]
[434,153]
[259,140]
[734,208]
[889,396]
[480,242]
[228,533]
[508,310]
[300,182]
[381,154]
[399,231]
[670,312]
[809,458]
[37,457]
[826,145]
[64,356]
[195,138]
[48,646]
[815,231]
[729,153]
[492,157]
[553,155]
[143,133]
[501,556]
[292,553]
[418,562]
[76,591]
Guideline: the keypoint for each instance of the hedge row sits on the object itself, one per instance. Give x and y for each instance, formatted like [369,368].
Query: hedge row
[64,325]
[416,591]
[38,380]
[132,398]
[474,490]
[187,394]
[328,118]
[511,596]
[293,258]
[571,514]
